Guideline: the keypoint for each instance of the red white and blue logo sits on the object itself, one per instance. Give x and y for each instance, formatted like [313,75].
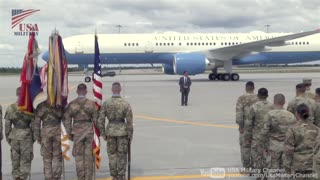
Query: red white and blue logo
[23,29]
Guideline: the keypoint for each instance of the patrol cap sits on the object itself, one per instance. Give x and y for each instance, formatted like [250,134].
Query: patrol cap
[263,92]
[306,80]
[318,91]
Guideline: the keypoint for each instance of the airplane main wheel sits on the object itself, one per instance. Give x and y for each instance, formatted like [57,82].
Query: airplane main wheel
[226,77]
[87,79]
[220,76]
[235,77]
[212,76]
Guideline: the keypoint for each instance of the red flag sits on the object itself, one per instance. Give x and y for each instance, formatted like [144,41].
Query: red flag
[27,76]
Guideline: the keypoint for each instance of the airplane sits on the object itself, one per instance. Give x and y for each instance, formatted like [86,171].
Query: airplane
[195,52]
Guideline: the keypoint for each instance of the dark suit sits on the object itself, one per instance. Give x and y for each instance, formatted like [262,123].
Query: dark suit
[184,89]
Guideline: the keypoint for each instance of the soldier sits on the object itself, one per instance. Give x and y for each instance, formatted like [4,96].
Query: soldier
[48,119]
[301,99]
[118,132]
[299,144]
[307,83]
[20,139]
[276,125]
[317,108]
[242,109]
[84,113]
[1,135]
[254,124]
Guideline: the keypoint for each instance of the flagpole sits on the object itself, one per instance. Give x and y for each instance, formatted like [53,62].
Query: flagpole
[63,172]
[94,167]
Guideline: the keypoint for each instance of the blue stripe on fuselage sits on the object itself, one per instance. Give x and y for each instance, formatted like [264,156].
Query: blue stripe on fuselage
[278,58]
[167,58]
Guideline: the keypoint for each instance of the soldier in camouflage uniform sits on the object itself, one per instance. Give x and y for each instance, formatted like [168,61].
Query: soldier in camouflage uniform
[242,109]
[48,119]
[317,108]
[302,99]
[118,132]
[299,144]
[307,82]
[1,135]
[79,118]
[20,139]
[254,124]
[276,125]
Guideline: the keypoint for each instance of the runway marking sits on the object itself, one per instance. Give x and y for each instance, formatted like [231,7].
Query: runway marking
[181,177]
[187,122]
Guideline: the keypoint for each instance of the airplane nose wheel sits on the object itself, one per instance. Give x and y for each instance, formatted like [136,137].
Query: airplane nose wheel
[87,79]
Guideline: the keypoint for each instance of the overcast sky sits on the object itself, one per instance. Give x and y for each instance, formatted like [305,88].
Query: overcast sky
[72,17]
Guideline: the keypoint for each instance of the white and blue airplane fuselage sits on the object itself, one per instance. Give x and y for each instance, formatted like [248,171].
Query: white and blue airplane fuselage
[197,52]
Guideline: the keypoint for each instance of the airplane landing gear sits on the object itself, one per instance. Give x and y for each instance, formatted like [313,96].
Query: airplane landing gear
[87,79]
[224,76]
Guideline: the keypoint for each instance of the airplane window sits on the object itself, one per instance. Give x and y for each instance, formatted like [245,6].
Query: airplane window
[132,44]
[307,42]
[199,44]
[137,44]
[206,44]
[229,43]
[191,44]
[168,44]
[210,44]
[296,43]
[129,44]
[125,44]
[300,43]
[222,44]
[226,44]
[303,43]
[179,44]
[156,44]
[214,44]
[164,44]
[187,44]
[232,43]
[160,44]
[171,44]
[202,44]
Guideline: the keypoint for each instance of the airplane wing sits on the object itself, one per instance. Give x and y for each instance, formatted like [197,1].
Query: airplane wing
[227,53]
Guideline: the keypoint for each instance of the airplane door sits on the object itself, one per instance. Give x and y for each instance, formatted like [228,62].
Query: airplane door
[149,47]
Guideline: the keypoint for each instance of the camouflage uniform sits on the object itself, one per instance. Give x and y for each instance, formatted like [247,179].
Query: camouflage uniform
[316,157]
[293,104]
[310,94]
[276,125]
[83,112]
[1,135]
[252,130]
[118,131]
[50,137]
[317,113]
[242,109]
[298,147]
[20,139]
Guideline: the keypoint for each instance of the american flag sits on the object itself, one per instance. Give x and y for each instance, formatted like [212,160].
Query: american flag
[97,91]
[19,15]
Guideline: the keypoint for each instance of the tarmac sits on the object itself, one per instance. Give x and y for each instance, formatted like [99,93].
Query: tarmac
[198,141]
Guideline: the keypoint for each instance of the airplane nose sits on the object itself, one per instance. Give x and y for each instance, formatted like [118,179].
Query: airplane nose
[45,56]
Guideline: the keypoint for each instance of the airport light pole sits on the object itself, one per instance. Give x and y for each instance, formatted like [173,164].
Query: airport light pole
[267,26]
[119,27]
